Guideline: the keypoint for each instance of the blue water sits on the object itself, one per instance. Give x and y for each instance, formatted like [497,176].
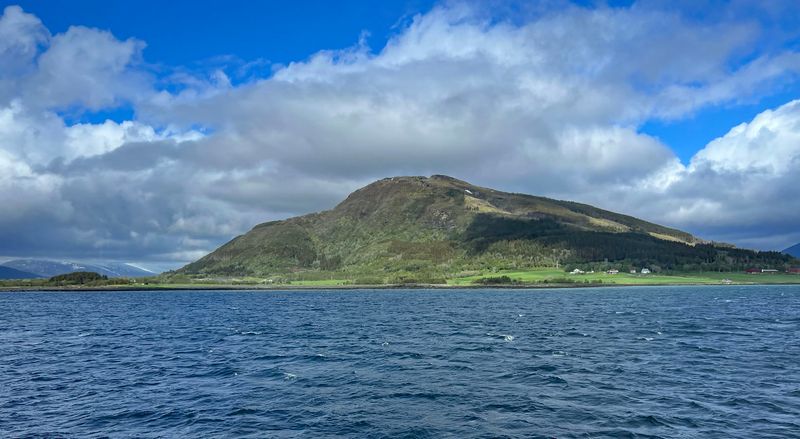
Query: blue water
[609,362]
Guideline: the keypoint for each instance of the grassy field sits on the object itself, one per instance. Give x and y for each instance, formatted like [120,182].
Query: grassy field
[537,277]
[528,276]
[556,276]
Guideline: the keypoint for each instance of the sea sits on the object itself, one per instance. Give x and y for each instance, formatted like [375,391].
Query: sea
[649,362]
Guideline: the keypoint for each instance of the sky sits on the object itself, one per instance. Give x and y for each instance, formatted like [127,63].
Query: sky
[152,132]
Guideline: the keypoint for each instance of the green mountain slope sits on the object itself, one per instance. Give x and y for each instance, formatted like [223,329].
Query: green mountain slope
[793,250]
[433,227]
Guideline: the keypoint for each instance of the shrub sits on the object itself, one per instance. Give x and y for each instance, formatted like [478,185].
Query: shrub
[498,280]
[79,277]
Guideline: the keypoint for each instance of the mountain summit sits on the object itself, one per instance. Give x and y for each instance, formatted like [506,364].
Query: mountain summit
[436,226]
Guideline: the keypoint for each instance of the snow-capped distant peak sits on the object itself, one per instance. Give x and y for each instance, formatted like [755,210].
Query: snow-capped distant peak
[140,267]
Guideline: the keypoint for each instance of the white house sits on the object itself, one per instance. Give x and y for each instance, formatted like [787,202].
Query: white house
[645,271]
[612,271]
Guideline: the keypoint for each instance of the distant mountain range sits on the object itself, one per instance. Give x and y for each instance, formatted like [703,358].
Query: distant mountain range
[11,273]
[47,268]
[793,250]
[427,228]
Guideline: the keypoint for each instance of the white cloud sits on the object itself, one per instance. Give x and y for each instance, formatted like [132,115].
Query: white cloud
[89,68]
[554,102]
[742,187]
[769,144]
[88,139]
[33,138]
[21,36]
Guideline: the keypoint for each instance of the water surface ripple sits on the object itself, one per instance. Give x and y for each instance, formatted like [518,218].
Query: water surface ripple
[610,362]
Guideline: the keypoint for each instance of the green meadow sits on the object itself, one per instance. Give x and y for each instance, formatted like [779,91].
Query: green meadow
[537,277]
[555,276]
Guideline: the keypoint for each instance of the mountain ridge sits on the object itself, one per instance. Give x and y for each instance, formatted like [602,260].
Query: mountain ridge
[12,273]
[50,268]
[397,227]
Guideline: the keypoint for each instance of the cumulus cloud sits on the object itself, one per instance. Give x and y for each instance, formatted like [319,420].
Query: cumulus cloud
[752,174]
[454,86]
[769,144]
[548,103]
[21,35]
[87,68]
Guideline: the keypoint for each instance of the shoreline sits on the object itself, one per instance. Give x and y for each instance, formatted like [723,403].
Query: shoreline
[129,288]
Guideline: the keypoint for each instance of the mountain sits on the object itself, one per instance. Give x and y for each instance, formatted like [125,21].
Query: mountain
[433,227]
[48,268]
[11,273]
[793,250]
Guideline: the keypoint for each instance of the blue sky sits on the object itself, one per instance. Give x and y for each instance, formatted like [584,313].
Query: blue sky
[199,34]
[160,130]
[690,134]
[183,33]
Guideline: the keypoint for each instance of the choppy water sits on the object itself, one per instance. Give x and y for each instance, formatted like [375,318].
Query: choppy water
[610,362]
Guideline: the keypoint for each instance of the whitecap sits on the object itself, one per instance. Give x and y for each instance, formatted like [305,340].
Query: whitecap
[505,337]
[289,376]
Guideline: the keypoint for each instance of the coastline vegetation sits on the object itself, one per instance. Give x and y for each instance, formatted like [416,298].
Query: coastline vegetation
[528,278]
